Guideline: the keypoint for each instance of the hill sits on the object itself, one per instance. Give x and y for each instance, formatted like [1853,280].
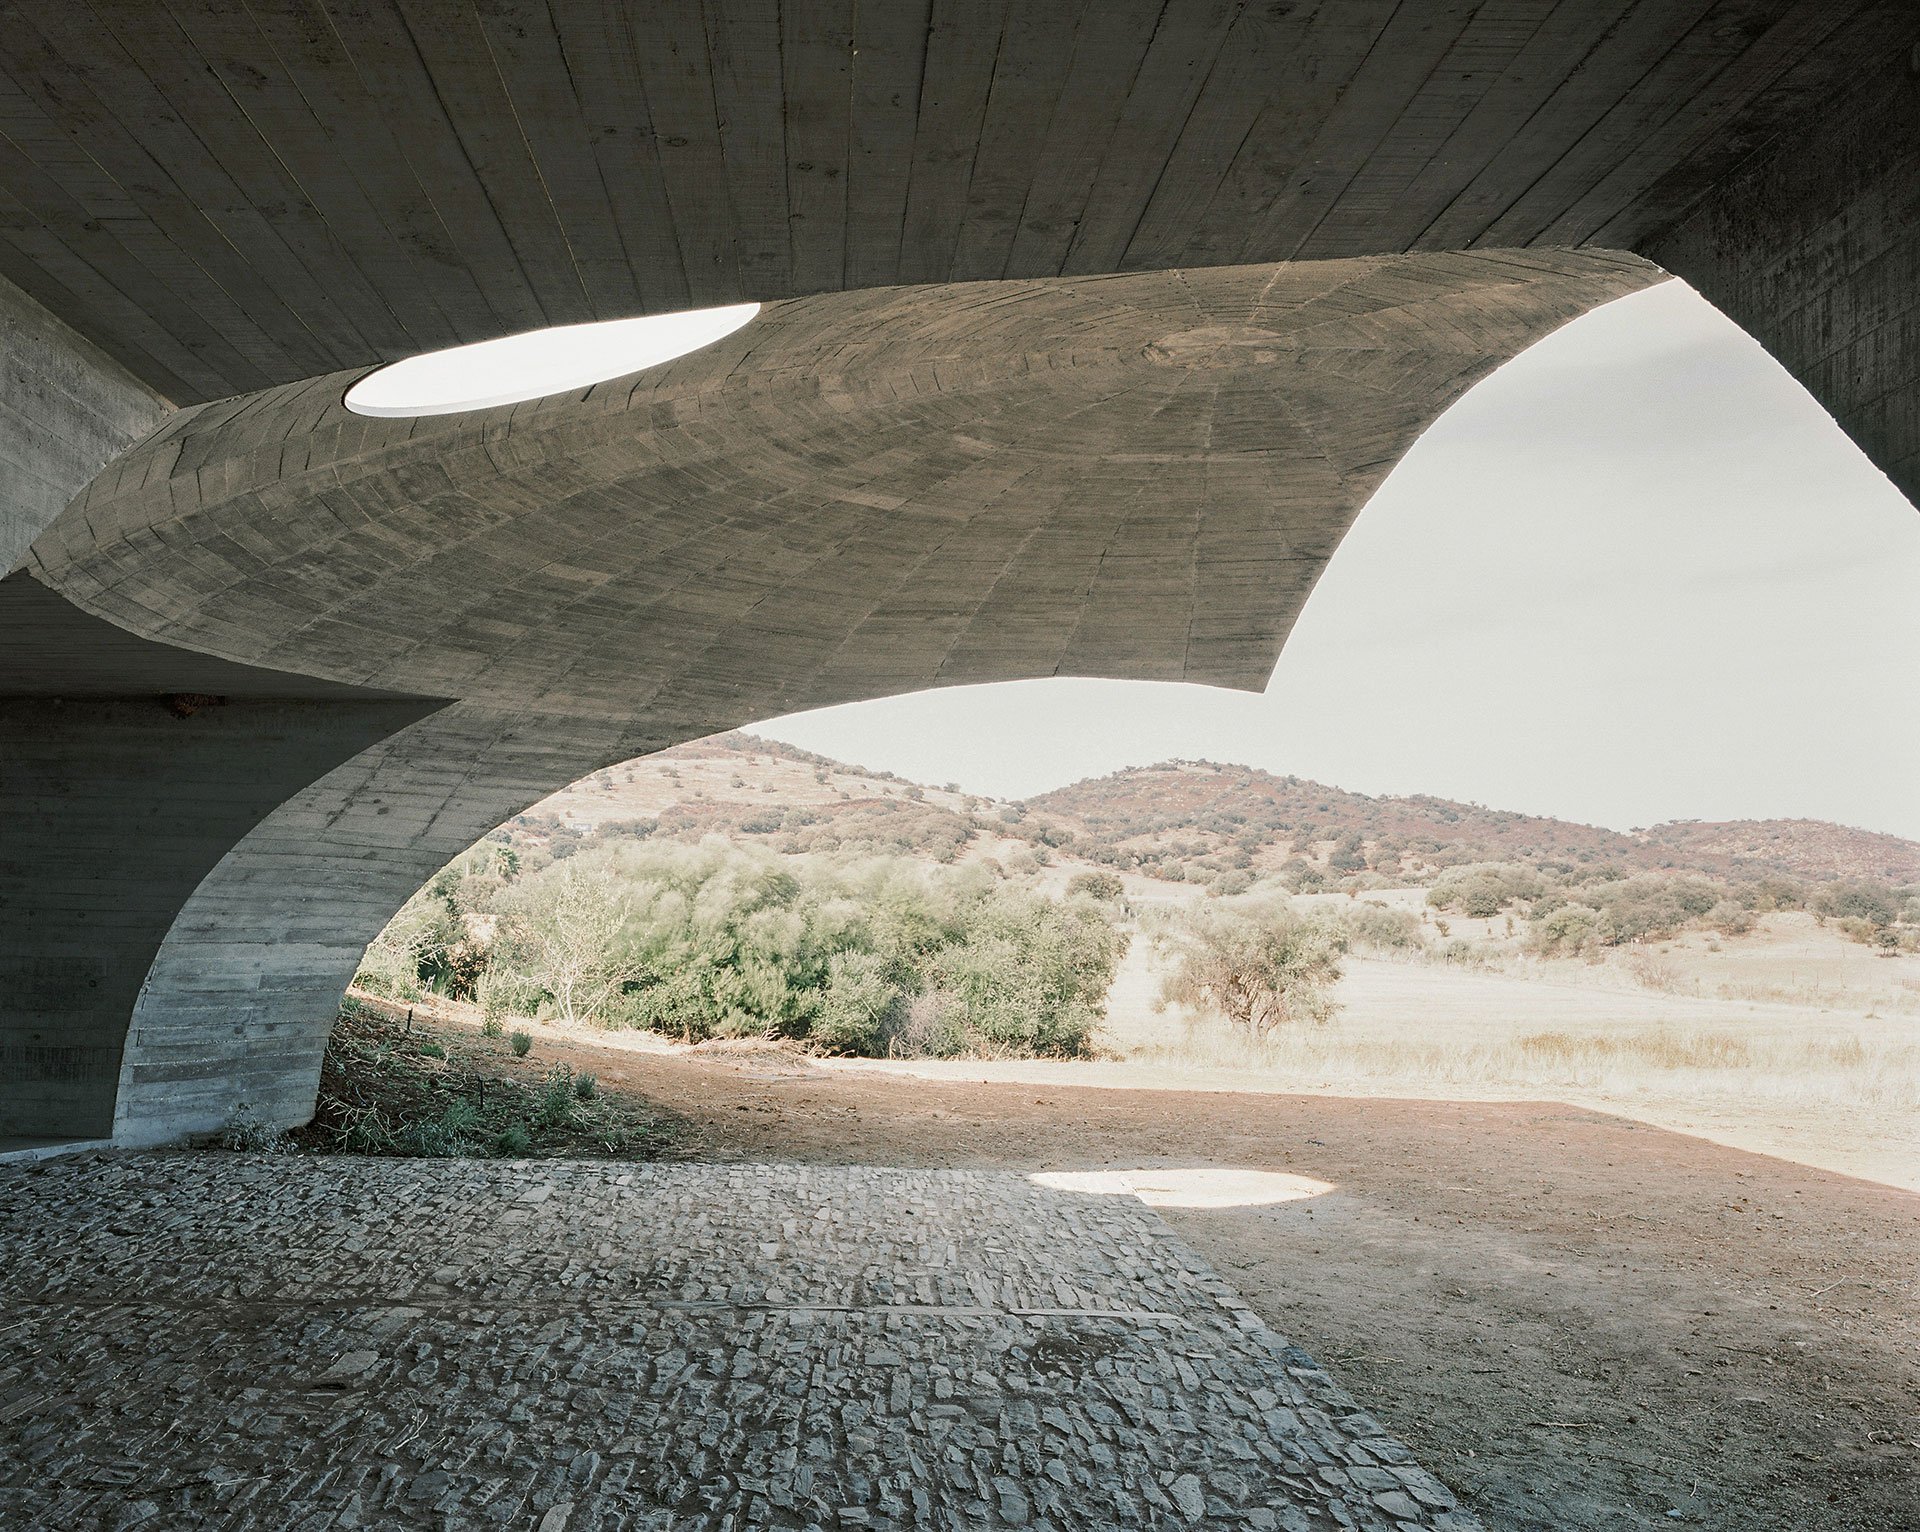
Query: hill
[1186,820]
[1187,806]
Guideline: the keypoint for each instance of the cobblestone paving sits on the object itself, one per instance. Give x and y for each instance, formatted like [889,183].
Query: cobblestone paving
[281,1342]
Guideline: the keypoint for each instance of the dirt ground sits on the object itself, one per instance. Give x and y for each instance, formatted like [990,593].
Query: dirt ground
[1580,1321]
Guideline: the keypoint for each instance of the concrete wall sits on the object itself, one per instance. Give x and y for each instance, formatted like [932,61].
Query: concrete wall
[1814,248]
[65,409]
[242,992]
[857,495]
[116,809]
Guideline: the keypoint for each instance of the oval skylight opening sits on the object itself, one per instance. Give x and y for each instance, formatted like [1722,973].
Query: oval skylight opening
[540,362]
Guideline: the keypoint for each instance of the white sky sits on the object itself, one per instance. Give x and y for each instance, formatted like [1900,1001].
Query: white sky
[1637,574]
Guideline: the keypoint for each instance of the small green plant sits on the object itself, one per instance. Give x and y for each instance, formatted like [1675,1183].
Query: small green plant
[514,1141]
[584,1085]
[432,1050]
[492,1026]
[248,1133]
[556,1101]
[521,1043]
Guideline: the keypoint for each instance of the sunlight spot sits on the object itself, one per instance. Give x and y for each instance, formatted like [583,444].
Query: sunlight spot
[539,362]
[1193,1186]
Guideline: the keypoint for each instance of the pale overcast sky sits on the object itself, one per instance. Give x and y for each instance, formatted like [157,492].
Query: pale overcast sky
[1635,575]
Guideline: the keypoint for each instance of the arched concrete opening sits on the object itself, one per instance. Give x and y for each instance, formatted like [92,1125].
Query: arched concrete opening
[1100,442]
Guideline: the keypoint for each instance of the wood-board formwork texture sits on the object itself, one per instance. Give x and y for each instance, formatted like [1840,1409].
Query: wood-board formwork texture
[856,495]
[66,409]
[1017,407]
[228,197]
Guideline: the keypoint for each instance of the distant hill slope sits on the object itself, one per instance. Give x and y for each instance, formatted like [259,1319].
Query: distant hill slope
[1151,806]
[1809,848]
[1198,816]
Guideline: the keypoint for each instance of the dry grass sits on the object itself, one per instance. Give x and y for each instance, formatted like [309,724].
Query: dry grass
[1846,1069]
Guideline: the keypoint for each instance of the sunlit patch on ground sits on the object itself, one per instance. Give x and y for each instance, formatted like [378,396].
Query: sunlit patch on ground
[1190,1186]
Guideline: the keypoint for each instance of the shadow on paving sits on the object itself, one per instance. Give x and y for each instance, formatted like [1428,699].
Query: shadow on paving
[295,1341]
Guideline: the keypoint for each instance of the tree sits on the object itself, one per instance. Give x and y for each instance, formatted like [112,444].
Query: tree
[1260,964]
[567,930]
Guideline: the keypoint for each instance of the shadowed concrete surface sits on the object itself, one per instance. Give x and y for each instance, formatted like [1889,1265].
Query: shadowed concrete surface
[1096,325]
[855,495]
[408,1343]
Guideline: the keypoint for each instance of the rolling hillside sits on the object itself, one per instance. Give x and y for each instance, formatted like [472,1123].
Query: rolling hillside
[1196,816]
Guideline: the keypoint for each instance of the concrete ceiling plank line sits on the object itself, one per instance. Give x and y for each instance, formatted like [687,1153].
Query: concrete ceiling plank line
[1180,56]
[1386,78]
[598,53]
[96,159]
[1703,117]
[816,61]
[469,88]
[60,249]
[1030,68]
[964,38]
[748,70]
[180,108]
[669,51]
[1614,63]
[407,278]
[1435,131]
[1700,71]
[367,80]
[889,76]
[533,67]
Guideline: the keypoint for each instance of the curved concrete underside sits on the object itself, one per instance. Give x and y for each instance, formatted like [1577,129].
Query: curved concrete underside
[1203,273]
[857,495]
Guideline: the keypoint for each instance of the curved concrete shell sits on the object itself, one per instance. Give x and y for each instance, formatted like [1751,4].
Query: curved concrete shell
[1090,330]
[856,495]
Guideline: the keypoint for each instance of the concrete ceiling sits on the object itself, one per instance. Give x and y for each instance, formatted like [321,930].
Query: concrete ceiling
[229,197]
[858,493]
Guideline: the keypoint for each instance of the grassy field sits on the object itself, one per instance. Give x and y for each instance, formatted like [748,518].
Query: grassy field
[1722,1043]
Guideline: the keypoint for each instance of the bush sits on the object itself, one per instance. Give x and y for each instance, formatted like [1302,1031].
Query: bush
[1873,903]
[521,1043]
[1565,932]
[1096,885]
[1374,926]
[1483,890]
[514,1141]
[585,1085]
[556,1101]
[1730,918]
[1259,964]
[492,1026]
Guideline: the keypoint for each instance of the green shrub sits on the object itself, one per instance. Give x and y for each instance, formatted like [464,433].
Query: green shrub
[1483,890]
[1260,963]
[1874,903]
[521,1043]
[1566,931]
[492,1027]
[514,1141]
[1096,885]
[585,1085]
[1372,926]
[556,1100]
[431,1050]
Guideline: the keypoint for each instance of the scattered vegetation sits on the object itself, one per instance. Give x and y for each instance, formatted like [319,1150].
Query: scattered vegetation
[869,956]
[386,1090]
[1259,963]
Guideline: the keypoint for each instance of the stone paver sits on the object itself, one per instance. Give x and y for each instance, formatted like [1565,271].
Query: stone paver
[255,1341]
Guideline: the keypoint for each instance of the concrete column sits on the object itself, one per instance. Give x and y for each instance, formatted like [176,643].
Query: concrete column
[117,807]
